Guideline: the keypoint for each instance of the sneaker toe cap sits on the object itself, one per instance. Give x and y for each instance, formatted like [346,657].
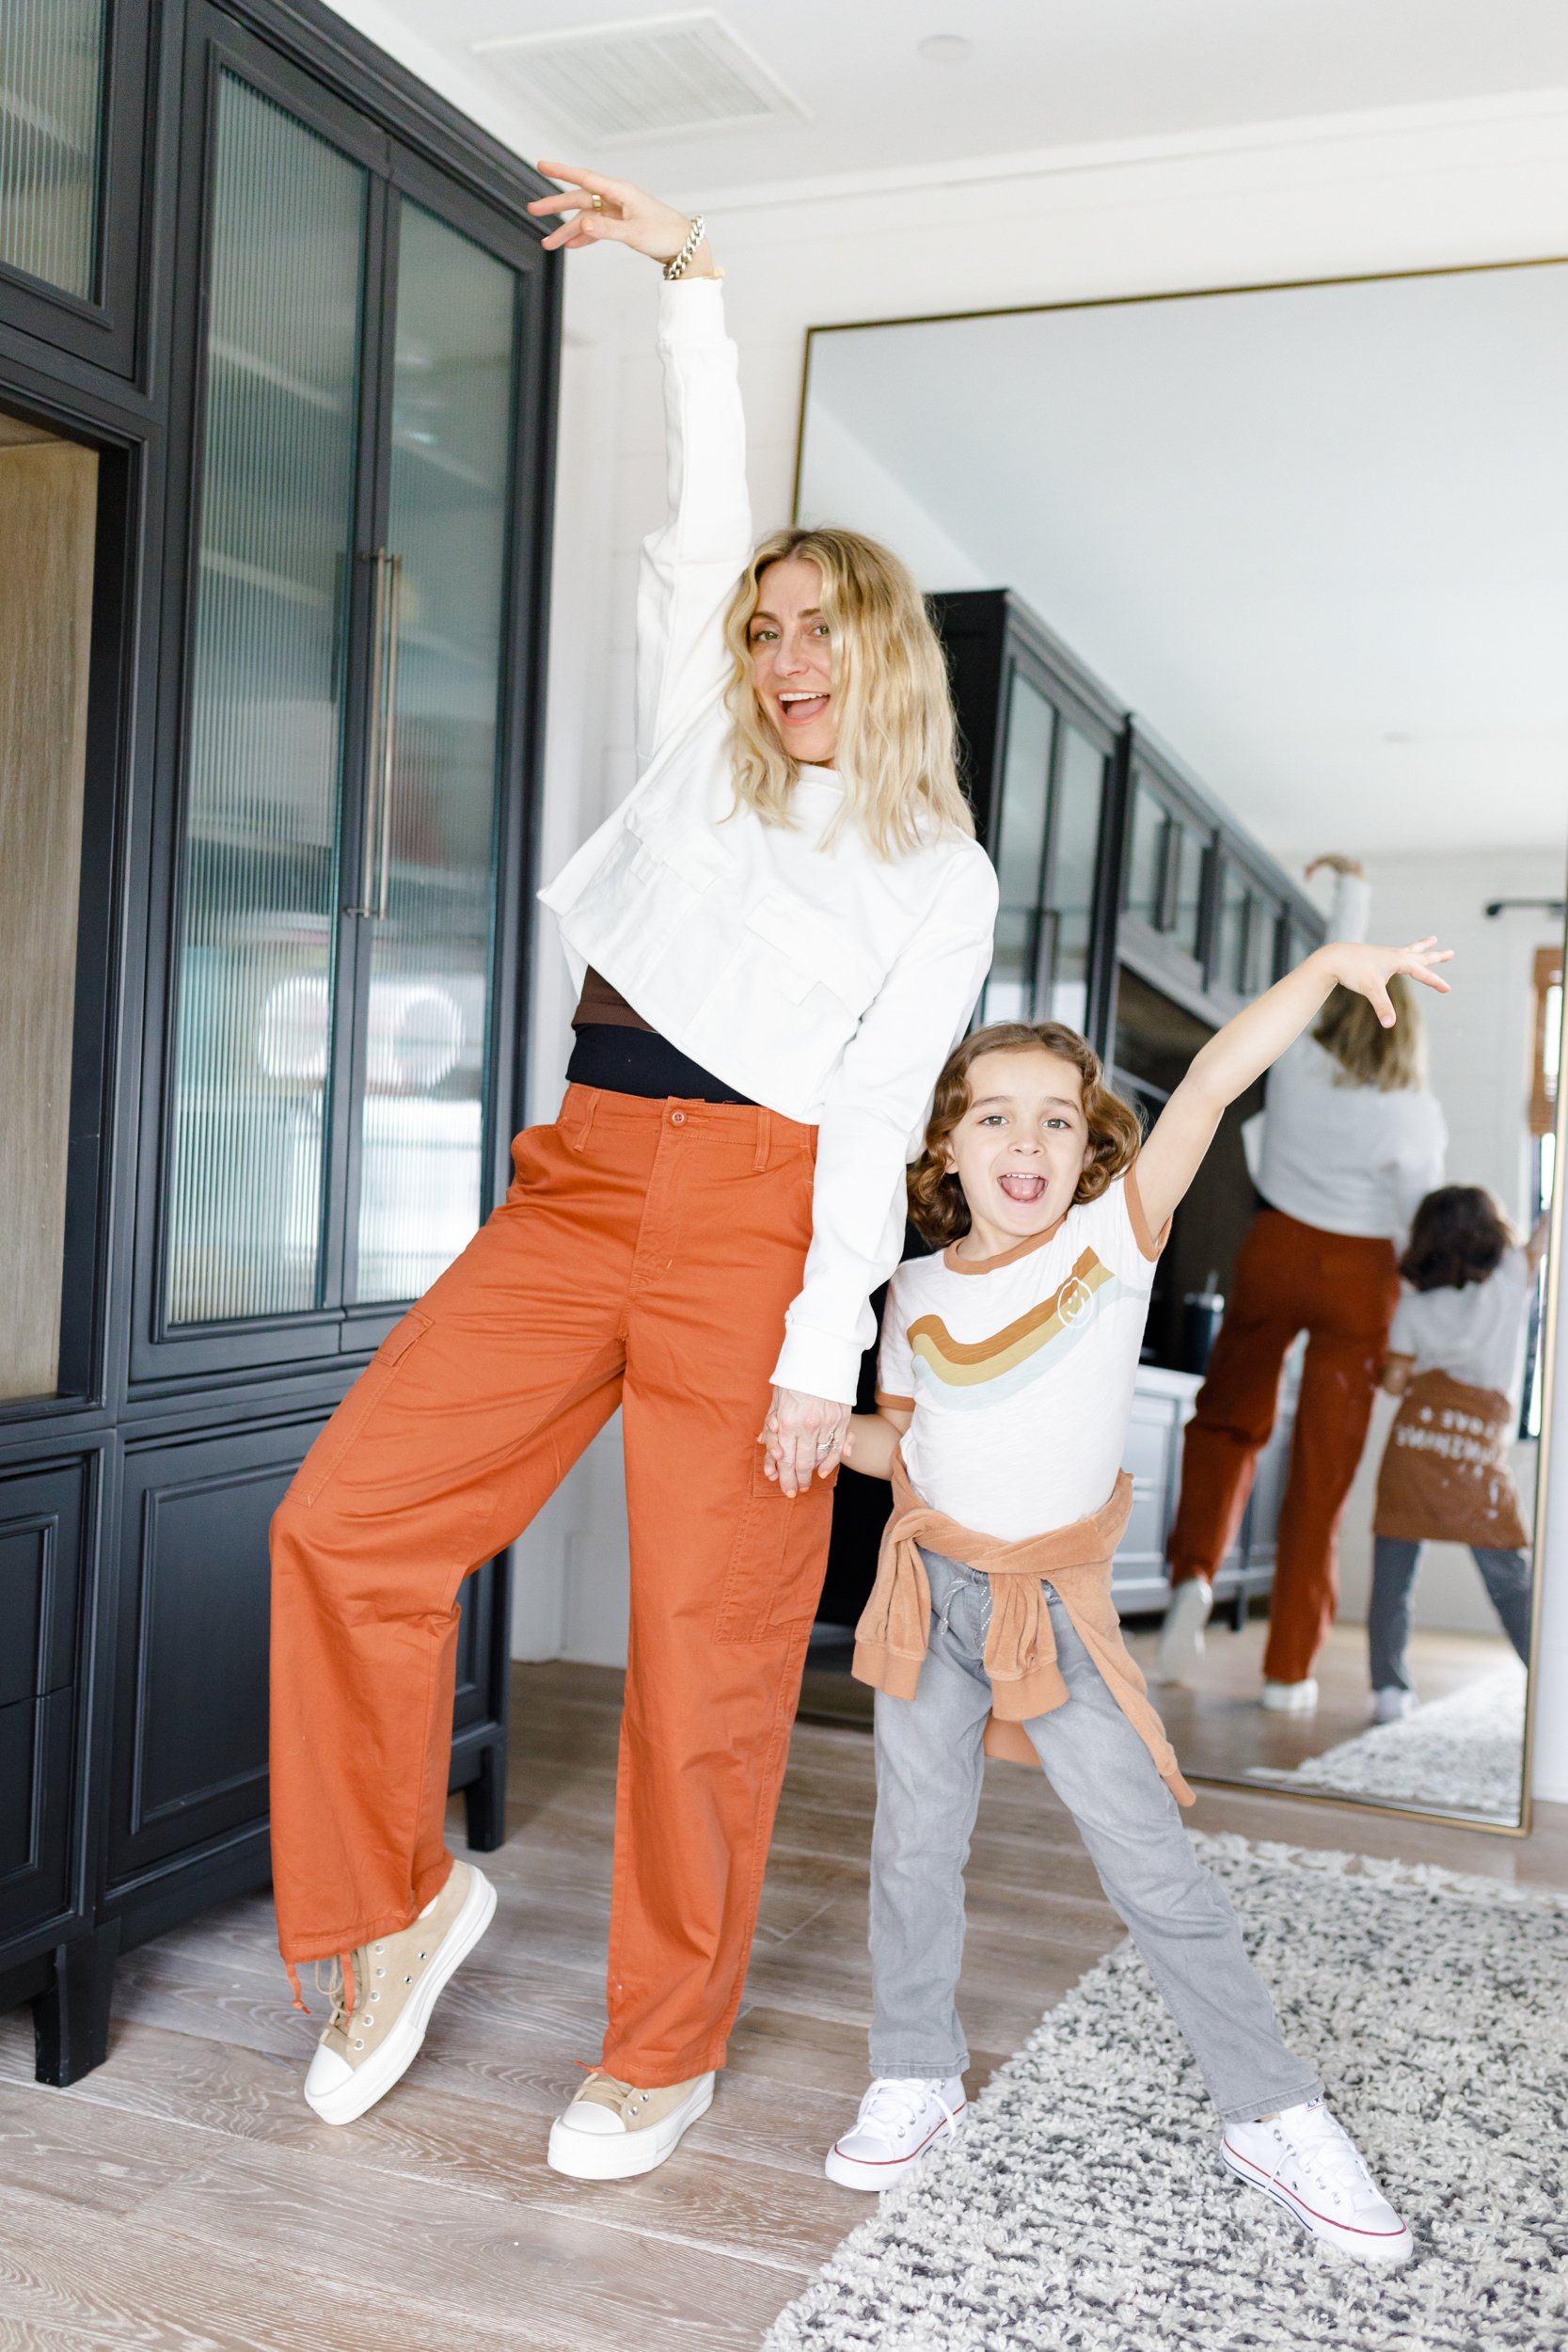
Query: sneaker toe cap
[328,2073]
[595,2122]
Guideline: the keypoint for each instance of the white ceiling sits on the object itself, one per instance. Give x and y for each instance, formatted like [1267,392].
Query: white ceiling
[1319,538]
[1039,73]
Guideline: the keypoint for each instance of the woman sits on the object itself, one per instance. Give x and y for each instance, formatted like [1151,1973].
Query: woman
[777,936]
[1352,1140]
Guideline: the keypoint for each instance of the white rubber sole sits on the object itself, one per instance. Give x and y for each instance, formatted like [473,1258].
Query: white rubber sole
[1363,2246]
[387,2066]
[856,2173]
[622,2155]
[1289,1698]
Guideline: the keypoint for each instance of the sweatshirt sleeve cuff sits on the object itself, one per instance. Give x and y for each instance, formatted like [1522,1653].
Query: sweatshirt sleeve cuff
[816,1364]
[1351,914]
[692,311]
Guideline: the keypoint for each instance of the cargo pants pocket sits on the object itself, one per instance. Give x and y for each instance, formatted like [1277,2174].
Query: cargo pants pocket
[774,1578]
[331,1448]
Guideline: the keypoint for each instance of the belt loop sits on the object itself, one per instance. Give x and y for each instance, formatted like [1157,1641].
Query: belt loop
[765,1139]
[579,1139]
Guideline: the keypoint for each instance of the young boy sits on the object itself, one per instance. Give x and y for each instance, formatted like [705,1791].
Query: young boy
[1003,1393]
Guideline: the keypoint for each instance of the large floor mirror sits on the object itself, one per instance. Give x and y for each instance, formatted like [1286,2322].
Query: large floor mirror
[1247,592]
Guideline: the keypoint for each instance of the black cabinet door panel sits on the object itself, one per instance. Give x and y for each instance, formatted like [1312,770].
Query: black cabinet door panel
[190,1742]
[40,1554]
[35,1810]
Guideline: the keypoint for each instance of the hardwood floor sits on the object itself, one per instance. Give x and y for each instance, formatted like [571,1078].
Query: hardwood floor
[184,2196]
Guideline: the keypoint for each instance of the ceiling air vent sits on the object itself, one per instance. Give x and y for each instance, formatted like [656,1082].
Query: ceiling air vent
[650,79]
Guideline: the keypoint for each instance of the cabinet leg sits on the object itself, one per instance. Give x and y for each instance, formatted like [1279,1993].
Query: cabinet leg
[70,2020]
[1237,1610]
[484,1802]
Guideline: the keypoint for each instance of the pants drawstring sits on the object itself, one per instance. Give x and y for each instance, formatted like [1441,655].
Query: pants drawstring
[292,1975]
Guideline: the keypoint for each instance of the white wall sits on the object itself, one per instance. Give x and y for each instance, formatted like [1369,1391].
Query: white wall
[1365,194]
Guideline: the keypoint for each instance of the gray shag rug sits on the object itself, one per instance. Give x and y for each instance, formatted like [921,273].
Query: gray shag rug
[1465,1754]
[1085,2208]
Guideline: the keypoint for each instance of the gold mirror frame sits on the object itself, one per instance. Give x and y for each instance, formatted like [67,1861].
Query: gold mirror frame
[1552,1319]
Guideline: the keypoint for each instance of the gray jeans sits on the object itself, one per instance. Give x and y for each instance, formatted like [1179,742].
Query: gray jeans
[1505,1574]
[929,1771]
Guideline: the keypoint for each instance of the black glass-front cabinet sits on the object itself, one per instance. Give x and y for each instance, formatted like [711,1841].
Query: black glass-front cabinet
[278,356]
[1135,909]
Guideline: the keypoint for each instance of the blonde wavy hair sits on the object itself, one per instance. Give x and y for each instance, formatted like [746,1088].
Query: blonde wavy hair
[898,752]
[1367,1053]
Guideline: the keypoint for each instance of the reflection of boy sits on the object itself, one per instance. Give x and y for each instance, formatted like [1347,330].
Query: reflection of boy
[1453,1362]
[1005,1393]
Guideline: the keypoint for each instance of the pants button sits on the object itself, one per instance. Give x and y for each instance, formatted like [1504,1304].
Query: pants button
[677,1119]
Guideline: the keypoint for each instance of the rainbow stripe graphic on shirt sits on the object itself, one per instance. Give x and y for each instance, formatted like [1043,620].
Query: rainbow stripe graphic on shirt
[963,1373]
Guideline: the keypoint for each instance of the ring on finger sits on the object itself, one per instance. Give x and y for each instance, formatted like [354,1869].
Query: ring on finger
[597,202]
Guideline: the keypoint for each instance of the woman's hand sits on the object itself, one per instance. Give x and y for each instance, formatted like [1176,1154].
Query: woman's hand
[803,1434]
[1368,970]
[621,214]
[1337,864]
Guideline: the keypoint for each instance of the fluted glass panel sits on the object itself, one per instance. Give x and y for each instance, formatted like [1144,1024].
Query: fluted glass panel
[261,852]
[1020,851]
[1080,794]
[429,1009]
[51,109]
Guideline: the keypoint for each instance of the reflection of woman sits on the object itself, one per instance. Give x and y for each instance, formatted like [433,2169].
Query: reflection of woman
[1352,1140]
[1453,1362]
[778,936]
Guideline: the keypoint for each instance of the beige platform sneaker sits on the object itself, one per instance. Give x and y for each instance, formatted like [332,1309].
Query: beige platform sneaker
[612,2131]
[370,2045]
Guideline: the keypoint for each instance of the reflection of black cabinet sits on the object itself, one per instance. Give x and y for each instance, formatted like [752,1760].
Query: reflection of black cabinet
[279,321]
[1135,909]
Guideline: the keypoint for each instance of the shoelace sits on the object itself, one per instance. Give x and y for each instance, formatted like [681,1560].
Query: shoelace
[627,2098]
[1325,2148]
[344,1978]
[894,2103]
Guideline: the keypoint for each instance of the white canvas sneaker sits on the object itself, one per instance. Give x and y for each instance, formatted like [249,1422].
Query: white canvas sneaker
[1393,1705]
[899,2121]
[1181,1635]
[1289,1698]
[612,2131]
[1311,2165]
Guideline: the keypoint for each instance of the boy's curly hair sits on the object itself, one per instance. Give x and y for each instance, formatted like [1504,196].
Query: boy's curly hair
[1458,1236]
[937,1204]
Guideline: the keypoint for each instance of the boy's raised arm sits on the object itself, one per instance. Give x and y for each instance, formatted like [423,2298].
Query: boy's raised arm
[1248,1046]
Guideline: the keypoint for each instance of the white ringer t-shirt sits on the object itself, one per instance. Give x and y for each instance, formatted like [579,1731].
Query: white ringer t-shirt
[1476,1334]
[1020,1368]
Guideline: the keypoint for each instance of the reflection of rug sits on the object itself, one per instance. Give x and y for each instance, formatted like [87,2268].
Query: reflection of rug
[1463,1753]
[1083,2210]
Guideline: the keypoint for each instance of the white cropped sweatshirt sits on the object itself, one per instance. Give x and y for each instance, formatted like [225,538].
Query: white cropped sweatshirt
[826,982]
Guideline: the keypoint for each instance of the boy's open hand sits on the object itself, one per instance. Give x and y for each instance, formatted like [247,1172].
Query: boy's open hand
[1368,970]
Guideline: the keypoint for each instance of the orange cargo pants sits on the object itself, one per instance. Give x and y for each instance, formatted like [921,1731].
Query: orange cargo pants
[643,1256]
[1342,1290]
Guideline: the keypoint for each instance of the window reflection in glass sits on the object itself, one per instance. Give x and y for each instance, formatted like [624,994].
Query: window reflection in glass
[258,917]
[421,1134]
[1146,856]
[1231,947]
[1020,834]
[1080,792]
[51,107]
[1189,848]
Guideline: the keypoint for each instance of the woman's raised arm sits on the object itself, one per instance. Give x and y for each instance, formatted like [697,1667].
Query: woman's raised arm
[691,564]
